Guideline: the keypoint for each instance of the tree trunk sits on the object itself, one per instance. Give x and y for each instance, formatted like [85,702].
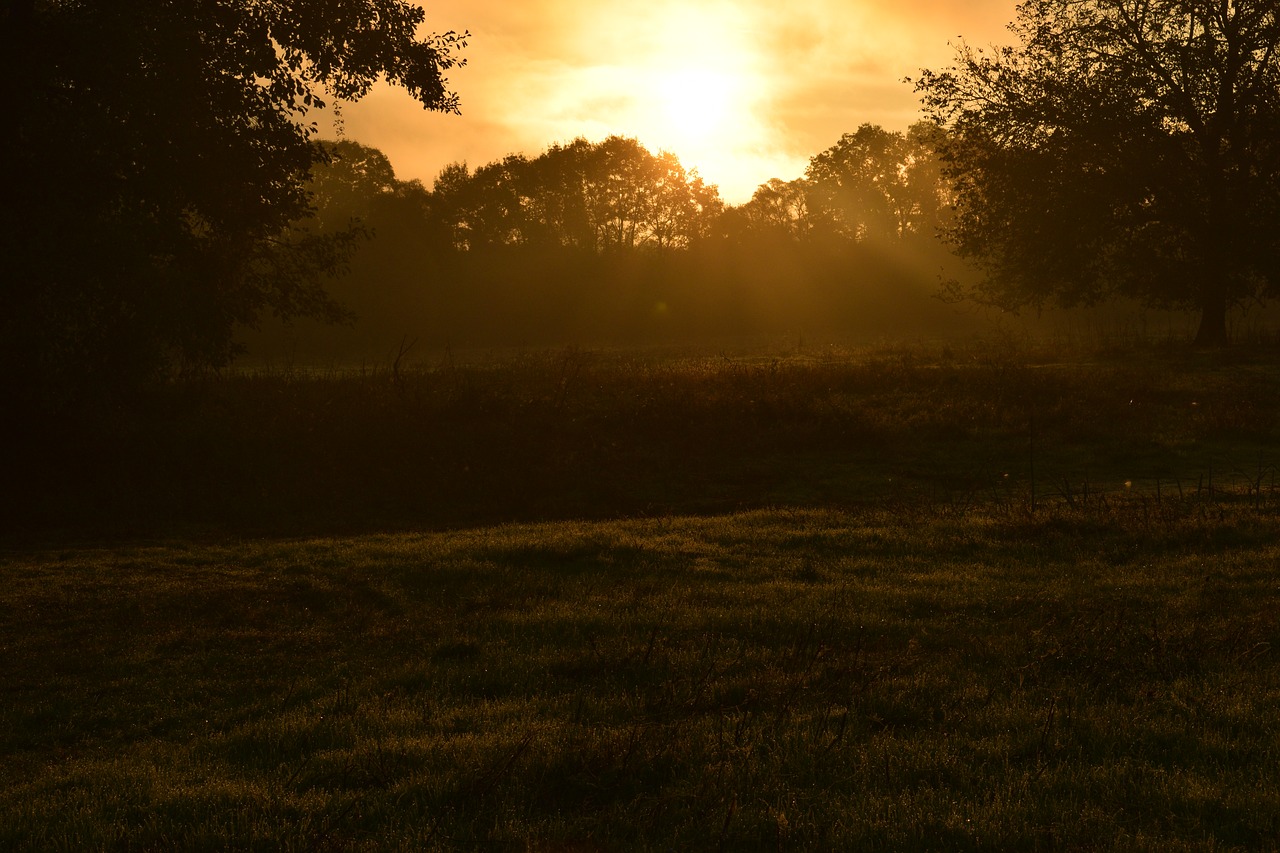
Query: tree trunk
[1213,321]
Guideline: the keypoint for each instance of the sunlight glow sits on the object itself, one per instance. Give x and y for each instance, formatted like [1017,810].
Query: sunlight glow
[696,107]
[742,90]
[687,80]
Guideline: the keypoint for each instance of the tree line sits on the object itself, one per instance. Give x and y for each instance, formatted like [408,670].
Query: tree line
[610,241]
[160,154]
[615,195]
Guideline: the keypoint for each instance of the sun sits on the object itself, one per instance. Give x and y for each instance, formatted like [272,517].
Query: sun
[694,109]
[684,77]
[704,115]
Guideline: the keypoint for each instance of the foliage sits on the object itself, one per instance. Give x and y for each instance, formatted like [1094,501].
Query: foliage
[615,195]
[609,196]
[777,207]
[607,242]
[1124,147]
[880,184]
[349,182]
[397,267]
[161,150]
[873,185]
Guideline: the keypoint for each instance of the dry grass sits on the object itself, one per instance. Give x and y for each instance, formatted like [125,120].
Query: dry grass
[864,680]
[575,434]
[912,598]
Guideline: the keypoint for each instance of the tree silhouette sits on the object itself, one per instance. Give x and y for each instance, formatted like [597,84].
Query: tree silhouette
[404,241]
[1123,147]
[779,208]
[613,195]
[560,190]
[160,150]
[873,184]
[348,183]
[861,182]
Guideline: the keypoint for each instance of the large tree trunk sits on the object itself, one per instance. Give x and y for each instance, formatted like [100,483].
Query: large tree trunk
[1213,321]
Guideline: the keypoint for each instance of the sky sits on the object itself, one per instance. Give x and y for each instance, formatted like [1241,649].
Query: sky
[741,90]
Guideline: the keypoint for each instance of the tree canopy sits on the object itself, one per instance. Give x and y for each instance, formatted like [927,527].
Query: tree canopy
[607,196]
[607,241]
[1123,147]
[873,185]
[877,183]
[159,151]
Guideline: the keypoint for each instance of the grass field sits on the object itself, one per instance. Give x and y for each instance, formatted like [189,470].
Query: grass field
[958,600]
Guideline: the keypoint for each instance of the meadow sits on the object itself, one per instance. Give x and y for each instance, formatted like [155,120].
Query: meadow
[962,597]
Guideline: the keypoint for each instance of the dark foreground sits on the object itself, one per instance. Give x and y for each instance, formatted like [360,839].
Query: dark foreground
[962,601]
[1099,678]
[575,434]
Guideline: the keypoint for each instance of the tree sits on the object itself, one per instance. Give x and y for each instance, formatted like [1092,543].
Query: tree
[779,208]
[861,182]
[347,184]
[1124,147]
[928,199]
[159,151]
[872,184]
[404,245]
[877,183]
[496,204]
[606,196]
[560,182]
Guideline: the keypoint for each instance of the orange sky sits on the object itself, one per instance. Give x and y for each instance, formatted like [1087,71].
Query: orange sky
[742,90]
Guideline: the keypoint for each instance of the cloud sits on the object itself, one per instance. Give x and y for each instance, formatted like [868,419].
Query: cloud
[545,71]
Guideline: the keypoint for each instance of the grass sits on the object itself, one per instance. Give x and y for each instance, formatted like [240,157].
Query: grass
[773,603]
[545,436]
[786,679]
